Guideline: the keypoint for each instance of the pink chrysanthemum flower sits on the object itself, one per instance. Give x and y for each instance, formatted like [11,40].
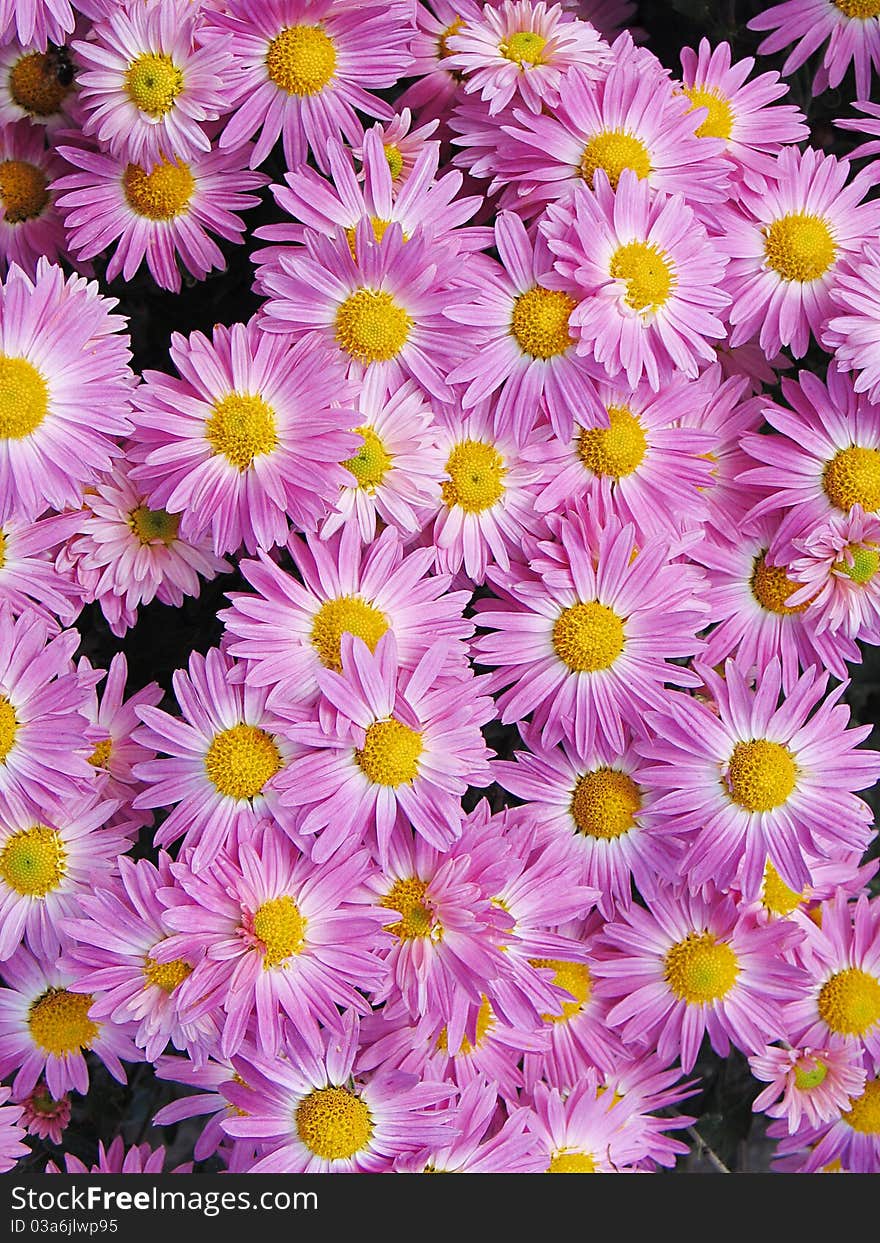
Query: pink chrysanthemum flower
[304,66]
[248,437]
[520,342]
[402,145]
[159,212]
[147,85]
[43,1115]
[43,751]
[487,494]
[739,112]
[224,758]
[45,1030]
[647,465]
[381,310]
[397,468]
[337,206]
[850,27]
[598,806]
[588,644]
[837,562]
[280,940]
[824,459]
[786,239]
[842,959]
[37,21]
[110,954]
[688,966]
[525,52]
[30,225]
[64,389]
[12,1132]
[113,722]
[754,779]
[447,948]
[851,330]
[578,1040]
[315,1118]
[509,1149]
[649,1090]
[28,578]
[30,89]
[47,862]
[632,120]
[125,554]
[807,1085]
[584,1132]
[398,745]
[844,873]
[756,608]
[436,83]
[293,627]
[648,277]
[117,1159]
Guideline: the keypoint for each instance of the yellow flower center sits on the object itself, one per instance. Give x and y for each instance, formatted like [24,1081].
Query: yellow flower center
[700,969]
[799,246]
[165,975]
[863,1114]
[574,977]
[154,524]
[588,637]
[345,615]
[379,230]
[162,193]
[865,563]
[849,1003]
[569,1161]
[524,48]
[771,587]
[333,1123]
[24,191]
[301,60]
[24,398]
[394,156]
[371,461]
[453,28]
[59,1022]
[539,322]
[101,755]
[241,760]
[605,803]
[761,774]
[371,327]
[647,274]
[614,150]
[810,1074]
[34,85]
[852,477]
[719,122]
[33,861]
[616,450]
[153,82]
[390,754]
[776,896]
[476,476]
[241,428]
[280,926]
[861,10]
[485,1023]
[416,915]
[8,728]
[2,548]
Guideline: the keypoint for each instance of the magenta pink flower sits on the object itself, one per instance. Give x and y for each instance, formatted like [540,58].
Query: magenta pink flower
[12,1133]
[30,225]
[647,275]
[480,1147]
[37,21]
[837,563]
[753,778]
[851,331]
[44,1116]
[808,1085]
[249,436]
[28,578]
[851,30]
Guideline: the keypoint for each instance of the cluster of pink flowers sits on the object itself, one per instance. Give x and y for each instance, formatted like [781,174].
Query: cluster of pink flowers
[522,770]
